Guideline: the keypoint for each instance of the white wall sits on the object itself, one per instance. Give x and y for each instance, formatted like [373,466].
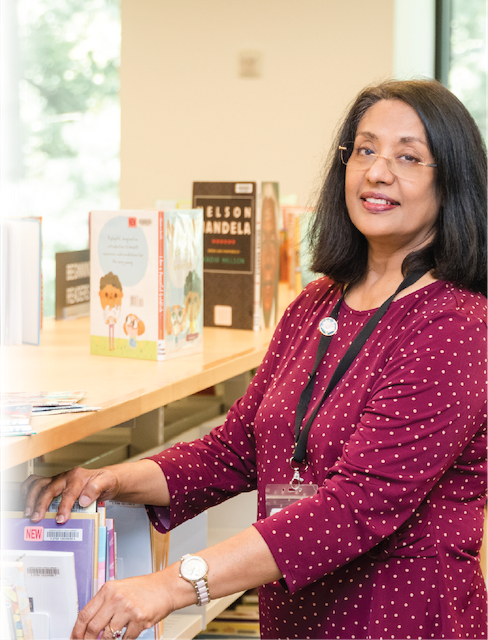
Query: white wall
[186,115]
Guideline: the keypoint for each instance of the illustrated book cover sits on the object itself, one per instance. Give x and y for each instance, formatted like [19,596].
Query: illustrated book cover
[241,252]
[146,283]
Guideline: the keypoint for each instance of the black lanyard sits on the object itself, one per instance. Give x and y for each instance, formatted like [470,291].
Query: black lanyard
[301,435]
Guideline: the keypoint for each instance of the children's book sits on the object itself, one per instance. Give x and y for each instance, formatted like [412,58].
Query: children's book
[78,535]
[12,600]
[21,281]
[241,252]
[146,275]
[51,587]
[7,621]
[14,590]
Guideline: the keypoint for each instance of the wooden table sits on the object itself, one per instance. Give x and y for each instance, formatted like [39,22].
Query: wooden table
[124,388]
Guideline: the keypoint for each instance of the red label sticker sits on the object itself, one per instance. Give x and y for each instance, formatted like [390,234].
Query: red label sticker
[34,534]
[132,222]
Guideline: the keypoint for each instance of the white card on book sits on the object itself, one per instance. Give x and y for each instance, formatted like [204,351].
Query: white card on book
[50,580]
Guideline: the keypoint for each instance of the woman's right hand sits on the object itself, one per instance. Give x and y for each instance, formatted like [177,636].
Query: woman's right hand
[86,485]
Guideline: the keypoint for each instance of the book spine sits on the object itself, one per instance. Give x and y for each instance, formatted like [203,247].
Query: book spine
[161,349]
[111,548]
[257,261]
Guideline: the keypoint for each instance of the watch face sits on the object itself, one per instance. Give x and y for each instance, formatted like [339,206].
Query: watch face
[193,568]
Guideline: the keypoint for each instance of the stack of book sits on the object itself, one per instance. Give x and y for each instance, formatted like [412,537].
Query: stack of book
[57,569]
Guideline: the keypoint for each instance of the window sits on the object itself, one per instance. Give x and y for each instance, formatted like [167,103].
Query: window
[461,54]
[63,119]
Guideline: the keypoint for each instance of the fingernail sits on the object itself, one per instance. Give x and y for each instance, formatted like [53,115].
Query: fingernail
[60,519]
[35,516]
[27,512]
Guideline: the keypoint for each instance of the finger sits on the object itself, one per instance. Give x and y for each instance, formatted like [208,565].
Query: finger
[32,488]
[115,630]
[58,486]
[90,619]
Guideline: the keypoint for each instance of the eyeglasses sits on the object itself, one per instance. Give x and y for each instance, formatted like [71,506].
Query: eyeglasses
[360,157]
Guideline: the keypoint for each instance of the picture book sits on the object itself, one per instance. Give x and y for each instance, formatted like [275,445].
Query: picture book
[146,275]
[20,281]
[51,587]
[241,223]
[12,600]
[7,621]
[14,590]
[78,535]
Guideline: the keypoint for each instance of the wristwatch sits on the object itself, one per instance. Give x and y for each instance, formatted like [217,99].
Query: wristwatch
[194,570]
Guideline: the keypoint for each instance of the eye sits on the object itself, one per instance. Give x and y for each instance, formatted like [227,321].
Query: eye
[363,151]
[408,158]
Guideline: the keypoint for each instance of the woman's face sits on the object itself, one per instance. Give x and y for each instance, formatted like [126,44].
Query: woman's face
[394,214]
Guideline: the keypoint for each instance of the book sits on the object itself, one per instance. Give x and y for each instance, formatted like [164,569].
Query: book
[15,419]
[51,588]
[136,555]
[72,284]
[146,275]
[15,415]
[21,281]
[12,600]
[241,253]
[78,535]
[14,589]
[8,629]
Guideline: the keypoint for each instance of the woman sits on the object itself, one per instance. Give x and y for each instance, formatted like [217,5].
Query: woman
[388,470]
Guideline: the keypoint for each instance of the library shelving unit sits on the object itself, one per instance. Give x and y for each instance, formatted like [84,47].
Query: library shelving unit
[130,392]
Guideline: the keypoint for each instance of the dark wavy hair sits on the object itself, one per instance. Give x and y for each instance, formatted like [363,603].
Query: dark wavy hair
[457,252]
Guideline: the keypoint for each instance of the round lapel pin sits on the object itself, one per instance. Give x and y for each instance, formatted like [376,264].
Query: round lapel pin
[328,326]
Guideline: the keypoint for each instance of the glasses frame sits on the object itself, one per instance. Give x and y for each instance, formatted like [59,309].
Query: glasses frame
[376,156]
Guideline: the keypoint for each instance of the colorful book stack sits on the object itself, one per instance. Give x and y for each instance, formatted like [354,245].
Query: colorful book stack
[146,283]
[241,252]
[50,571]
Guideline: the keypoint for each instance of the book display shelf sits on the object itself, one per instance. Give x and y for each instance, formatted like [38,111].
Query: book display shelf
[132,393]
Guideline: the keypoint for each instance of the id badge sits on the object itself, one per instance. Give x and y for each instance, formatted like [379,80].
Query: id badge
[279,496]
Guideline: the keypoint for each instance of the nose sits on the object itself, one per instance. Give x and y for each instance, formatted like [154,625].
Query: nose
[380,170]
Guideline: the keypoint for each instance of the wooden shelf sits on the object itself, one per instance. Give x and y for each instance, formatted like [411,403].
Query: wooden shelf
[124,388]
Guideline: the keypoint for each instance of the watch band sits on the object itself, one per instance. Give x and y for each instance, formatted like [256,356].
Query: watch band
[200,586]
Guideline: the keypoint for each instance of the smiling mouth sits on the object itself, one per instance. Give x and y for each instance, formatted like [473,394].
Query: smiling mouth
[379,201]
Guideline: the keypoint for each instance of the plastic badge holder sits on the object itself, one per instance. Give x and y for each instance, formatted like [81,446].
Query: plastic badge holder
[279,496]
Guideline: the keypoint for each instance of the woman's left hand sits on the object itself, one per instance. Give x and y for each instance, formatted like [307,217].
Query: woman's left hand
[133,603]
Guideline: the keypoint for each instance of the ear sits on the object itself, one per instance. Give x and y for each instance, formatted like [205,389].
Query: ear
[140,328]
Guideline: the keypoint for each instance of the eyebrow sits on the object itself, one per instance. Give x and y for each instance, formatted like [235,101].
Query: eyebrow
[403,139]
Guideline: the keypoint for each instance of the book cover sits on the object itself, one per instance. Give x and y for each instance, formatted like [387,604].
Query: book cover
[78,535]
[12,600]
[146,275]
[21,281]
[52,591]
[241,254]
[13,586]
[7,622]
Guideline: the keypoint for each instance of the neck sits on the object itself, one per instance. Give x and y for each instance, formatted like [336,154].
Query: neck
[379,284]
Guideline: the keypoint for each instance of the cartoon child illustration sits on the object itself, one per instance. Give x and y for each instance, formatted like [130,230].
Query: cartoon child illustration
[193,302]
[111,300]
[175,320]
[133,327]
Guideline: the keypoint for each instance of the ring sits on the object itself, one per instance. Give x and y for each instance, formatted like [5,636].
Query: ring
[116,634]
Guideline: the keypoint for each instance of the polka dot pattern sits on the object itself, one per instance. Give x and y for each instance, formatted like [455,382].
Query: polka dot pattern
[389,545]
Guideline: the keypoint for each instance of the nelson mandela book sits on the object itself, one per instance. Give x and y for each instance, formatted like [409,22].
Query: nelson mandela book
[240,253]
